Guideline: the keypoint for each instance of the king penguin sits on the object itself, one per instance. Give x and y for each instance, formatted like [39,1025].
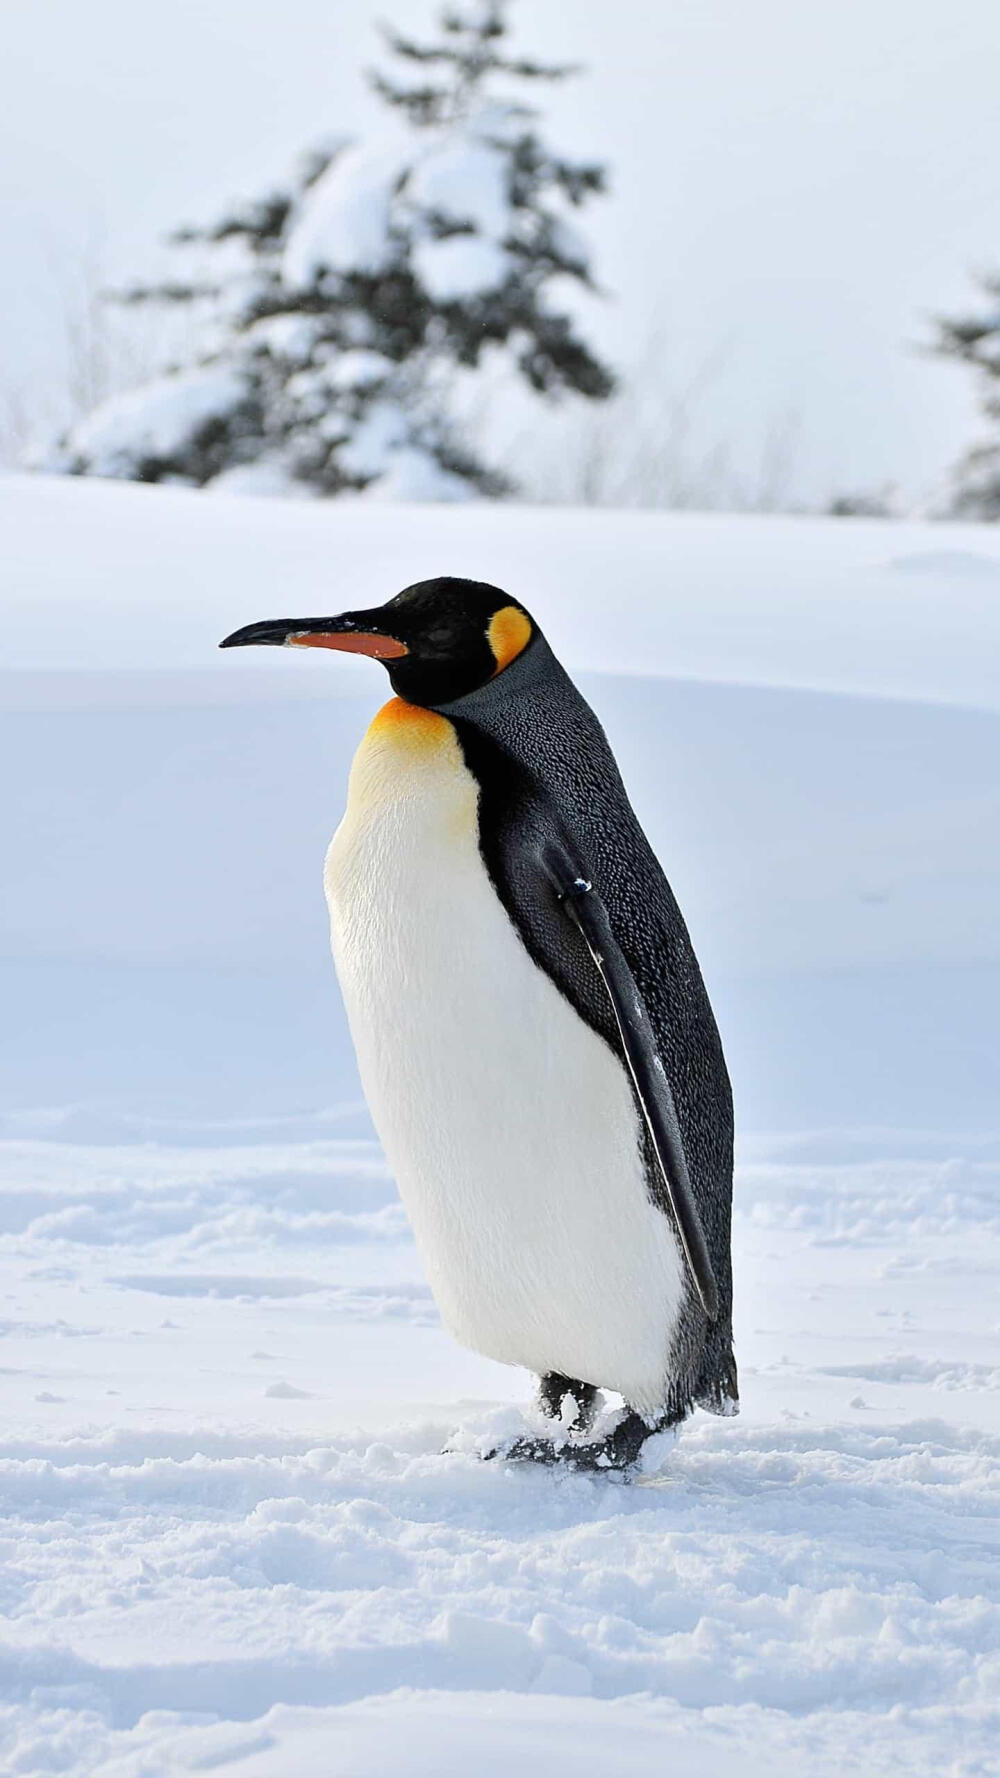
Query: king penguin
[533,1033]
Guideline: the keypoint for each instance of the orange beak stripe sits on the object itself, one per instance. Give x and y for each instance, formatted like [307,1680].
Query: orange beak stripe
[380,648]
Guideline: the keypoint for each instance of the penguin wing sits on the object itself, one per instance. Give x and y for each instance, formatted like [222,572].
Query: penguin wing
[583,905]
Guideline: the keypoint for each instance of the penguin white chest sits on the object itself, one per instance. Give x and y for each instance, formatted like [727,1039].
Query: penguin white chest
[509,1124]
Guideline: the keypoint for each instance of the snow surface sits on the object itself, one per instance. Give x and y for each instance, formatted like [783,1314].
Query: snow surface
[246,1524]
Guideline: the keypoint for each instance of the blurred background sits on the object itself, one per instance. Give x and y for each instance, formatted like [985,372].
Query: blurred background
[790,199]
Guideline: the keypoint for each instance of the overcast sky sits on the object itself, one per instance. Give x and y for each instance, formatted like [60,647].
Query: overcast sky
[795,185]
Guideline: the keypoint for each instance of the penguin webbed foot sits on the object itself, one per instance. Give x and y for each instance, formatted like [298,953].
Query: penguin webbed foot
[618,1451]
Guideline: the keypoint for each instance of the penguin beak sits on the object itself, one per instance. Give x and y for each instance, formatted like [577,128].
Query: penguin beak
[351,634]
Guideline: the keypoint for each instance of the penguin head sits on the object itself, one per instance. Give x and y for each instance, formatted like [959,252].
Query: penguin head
[439,639]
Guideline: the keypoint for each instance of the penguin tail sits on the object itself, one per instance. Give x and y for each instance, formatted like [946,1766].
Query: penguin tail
[718,1390]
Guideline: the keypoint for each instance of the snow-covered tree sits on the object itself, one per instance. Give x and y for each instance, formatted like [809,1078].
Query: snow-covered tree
[975,340]
[339,311]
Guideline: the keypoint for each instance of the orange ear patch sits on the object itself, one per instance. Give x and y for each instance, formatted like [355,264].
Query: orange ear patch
[508,634]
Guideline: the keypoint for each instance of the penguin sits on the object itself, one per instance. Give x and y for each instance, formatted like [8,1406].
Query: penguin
[533,1034]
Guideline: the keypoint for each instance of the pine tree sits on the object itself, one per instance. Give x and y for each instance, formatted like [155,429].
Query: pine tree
[345,304]
[975,340]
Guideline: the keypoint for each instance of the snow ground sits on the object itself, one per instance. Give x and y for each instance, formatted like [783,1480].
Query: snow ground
[245,1524]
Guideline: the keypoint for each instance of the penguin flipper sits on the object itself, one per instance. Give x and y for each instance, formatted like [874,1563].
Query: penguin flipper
[585,908]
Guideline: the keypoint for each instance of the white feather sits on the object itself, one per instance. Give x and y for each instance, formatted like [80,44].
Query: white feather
[509,1124]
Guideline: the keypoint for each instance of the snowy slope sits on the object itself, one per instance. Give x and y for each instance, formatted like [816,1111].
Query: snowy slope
[233,1538]
[107,577]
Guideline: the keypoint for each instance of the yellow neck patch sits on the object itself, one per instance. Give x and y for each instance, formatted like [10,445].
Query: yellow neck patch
[409,726]
[509,633]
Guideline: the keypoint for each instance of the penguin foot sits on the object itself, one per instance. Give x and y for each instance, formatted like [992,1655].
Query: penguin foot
[619,1451]
[554,1390]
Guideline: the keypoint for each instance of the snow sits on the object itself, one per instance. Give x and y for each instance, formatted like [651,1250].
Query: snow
[474,15]
[464,181]
[289,336]
[257,1531]
[357,369]
[344,222]
[570,243]
[347,220]
[411,474]
[246,1525]
[381,447]
[500,121]
[155,421]
[269,475]
[457,267]
[866,608]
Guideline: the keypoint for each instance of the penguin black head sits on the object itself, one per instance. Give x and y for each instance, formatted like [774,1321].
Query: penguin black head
[439,639]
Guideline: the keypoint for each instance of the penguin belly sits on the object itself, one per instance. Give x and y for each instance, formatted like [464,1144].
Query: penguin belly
[509,1124]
